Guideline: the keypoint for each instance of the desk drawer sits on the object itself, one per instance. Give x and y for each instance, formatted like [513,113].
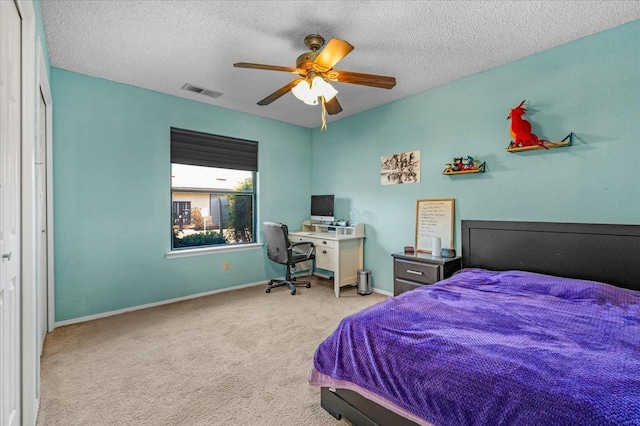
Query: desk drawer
[421,273]
[299,239]
[325,243]
[325,258]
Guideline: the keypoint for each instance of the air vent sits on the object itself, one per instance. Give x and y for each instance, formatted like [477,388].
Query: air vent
[211,93]
[206,92]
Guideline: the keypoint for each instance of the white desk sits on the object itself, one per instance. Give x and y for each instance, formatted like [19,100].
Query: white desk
[337,248]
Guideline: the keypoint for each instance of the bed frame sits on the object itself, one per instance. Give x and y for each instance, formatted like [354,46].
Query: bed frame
[598,252]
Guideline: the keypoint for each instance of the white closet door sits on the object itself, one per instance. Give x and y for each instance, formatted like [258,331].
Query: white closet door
[10,246]
[41,222]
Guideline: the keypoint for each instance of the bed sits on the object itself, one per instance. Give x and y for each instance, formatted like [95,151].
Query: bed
[527,333]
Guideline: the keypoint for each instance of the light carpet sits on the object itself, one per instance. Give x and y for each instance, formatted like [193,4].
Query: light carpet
[235,358]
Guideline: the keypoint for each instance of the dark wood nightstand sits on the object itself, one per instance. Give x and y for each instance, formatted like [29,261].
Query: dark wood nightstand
[411,271]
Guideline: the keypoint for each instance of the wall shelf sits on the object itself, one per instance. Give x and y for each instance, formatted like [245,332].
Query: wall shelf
[479,169]
[568,141]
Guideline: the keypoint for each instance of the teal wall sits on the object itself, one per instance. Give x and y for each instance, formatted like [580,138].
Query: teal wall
[590,87]
[111,168]
[113,199]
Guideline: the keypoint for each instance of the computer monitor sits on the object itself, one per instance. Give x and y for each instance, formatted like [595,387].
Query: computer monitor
[322,208]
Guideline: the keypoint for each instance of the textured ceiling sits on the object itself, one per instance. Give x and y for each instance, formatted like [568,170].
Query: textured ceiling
[161,45]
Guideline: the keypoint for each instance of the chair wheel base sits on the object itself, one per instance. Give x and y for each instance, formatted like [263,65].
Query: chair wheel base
[290,283]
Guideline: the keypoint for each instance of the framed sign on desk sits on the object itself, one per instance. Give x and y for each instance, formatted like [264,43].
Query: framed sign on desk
[434,218]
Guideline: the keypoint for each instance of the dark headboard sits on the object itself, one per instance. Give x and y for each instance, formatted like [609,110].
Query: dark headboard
[598,252]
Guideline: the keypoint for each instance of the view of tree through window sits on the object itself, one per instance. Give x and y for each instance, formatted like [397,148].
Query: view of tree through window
[211,206]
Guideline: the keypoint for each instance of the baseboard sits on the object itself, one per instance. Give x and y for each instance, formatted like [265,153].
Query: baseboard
[151,305]
[37,409]
[384,292]
[321,275]
[179,299]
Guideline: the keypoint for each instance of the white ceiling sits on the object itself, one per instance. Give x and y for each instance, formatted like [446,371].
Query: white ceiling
[161,45]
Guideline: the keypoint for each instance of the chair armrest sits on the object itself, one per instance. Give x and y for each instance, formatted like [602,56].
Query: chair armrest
[309,243]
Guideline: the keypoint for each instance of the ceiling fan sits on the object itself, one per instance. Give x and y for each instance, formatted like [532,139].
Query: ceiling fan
[314,69]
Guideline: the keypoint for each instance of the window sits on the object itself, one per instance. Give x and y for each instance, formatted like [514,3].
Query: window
[213,191]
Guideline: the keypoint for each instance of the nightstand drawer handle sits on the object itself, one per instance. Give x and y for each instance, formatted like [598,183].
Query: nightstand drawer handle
[411,271]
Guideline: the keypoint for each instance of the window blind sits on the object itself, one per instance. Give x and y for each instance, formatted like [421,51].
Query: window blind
[204,149]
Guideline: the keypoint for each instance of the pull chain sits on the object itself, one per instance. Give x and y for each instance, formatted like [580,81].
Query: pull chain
[323,128]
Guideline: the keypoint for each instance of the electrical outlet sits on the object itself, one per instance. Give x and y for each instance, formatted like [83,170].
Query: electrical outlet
[227,265]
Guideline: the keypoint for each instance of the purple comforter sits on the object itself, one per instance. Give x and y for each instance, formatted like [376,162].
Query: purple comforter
[493,348]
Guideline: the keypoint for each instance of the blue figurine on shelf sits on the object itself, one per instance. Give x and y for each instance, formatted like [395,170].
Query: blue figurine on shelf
[467,163]
[463,164]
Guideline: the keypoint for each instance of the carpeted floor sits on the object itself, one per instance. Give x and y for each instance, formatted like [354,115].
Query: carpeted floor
[236,358]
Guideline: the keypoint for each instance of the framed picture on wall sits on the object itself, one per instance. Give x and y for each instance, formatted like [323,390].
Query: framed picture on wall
[434,219]
[400,168]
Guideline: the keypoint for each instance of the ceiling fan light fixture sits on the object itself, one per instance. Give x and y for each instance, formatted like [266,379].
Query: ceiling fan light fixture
[320,87]
[303,92]
[311,100]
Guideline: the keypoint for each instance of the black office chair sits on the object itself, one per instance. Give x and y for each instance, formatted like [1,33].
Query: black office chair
[281,251]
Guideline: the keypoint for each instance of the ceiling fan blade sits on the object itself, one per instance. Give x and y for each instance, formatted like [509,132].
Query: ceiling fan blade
[372,80]
[333,106]
[335,50]
[264,67]
[278,93]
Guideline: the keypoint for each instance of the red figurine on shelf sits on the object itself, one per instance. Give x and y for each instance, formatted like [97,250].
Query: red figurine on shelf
[521,129]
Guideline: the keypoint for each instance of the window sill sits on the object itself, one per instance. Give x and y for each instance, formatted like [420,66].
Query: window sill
[211,250]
